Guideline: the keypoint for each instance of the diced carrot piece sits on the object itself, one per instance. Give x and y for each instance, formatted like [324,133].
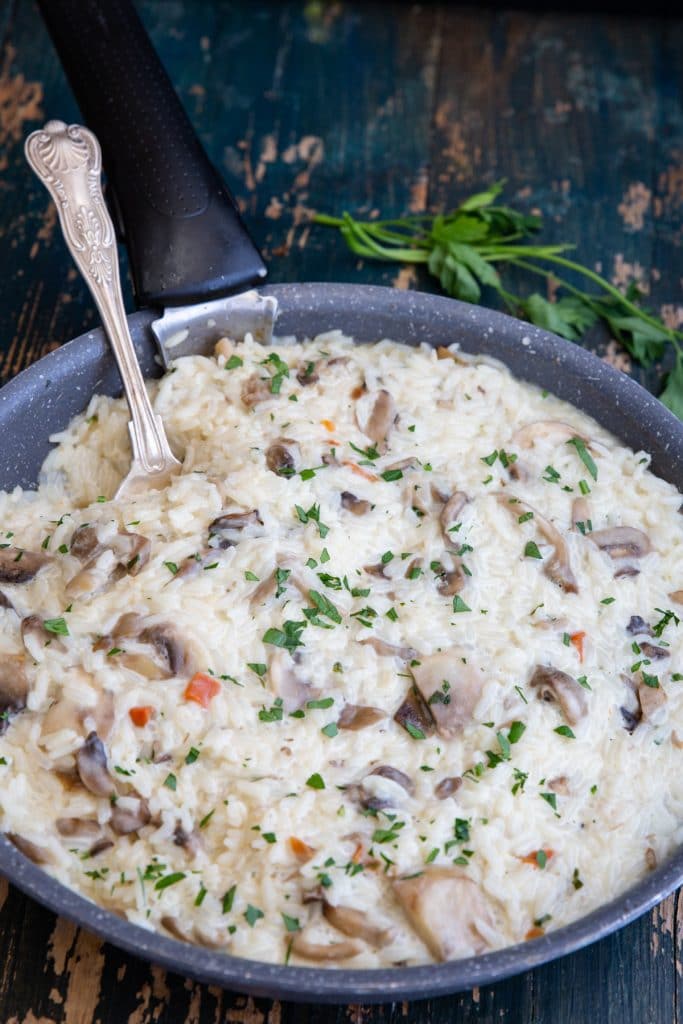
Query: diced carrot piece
[532,858]
[202,689]
[140,716]
[534,933]
[357,855]
[355,468]
[329,425]
[301,850]
[332,441]
[576,640]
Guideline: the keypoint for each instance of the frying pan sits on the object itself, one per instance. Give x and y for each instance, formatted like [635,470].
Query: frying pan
[187,245]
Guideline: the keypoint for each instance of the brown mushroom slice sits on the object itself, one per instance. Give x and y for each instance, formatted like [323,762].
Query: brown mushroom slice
[91,764]
[129,814]
[557,568]
[359,716]
[387,771]
[20,566]
[85,542]
[414,715]
[558,687]
[450,575]
[405,465]
[376,570]
[36,852]
[447,787]
[555,432]
[638,626]
[356,925]
[190,842]
[375,416]
[169,650]
[35,637]
[287,684]
[78,828]
[169,655]
[132,551]
[447,910]
[677,596]
[652,651]
[255,389]
[451,687]
[357,506]
[283,456]
[6,603]
[581,514]
[230,527]
[13,688]
[622,542]
[651,698]
[450,513]
[386,650]
[308,373]
[318,952]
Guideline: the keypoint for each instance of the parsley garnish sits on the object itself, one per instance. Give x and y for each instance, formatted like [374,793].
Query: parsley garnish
[315,781]
[57,626]
[585,456]
[288,637]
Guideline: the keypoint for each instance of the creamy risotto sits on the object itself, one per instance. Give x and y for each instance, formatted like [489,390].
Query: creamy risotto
[390,673]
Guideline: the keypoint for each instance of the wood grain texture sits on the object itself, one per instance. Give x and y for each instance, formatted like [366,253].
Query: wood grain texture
[367,107]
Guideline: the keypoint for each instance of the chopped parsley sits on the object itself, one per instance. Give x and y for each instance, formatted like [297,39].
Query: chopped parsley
[413,730]
[233,362]
[312,515]
[564,730]
[459,605]
[172,879]
[229,899]
[171,782]
[584,455]
[288,637]
[315,781]
[258,667]
[531,550]
[291,923]
[252,914]
[57,626]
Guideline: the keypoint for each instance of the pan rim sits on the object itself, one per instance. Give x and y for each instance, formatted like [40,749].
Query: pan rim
[625,397]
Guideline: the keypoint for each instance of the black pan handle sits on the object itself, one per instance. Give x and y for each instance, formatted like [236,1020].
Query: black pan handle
[186,241]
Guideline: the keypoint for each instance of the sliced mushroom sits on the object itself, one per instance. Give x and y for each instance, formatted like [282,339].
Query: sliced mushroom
[405,465]
[376,570]
[387,650]
[450,513]
[35,637]
[651,698]
[555,432]
[230,528]
[13,688]
[450,574]
[413,565]
[637,626]
[100,846]
[91,763]
[677,596]
[375,416]
[626,571]
[451,688]
[195,934]
[581,514]
[560,785]
[308,373]
[309,950]
[6,603]
[283,456]
[355,924]
[652,651]
[558,687]
[558,567]
[129,814]
[413,714]
[358,506]
[447,910]
[622,542]
[256,389]
[447,787]
[286,682]
[169,655]
[36,852]
[191,842]
[387,771]
[631,718]
[108,554]
[359,716]
[19,566]
[78,828]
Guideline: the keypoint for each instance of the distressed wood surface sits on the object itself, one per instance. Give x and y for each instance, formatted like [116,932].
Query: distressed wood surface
[367,107]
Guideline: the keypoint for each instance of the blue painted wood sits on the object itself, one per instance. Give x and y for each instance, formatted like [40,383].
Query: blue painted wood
[366,106]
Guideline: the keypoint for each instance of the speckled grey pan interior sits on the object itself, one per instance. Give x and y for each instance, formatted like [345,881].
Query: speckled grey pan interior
[43,398]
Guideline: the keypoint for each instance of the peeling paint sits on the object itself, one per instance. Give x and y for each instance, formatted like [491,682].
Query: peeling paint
[406,278]
[634,205]
[624,273]
[84,968]
[20,101]
[244,1012]
[4,891]
[617,356]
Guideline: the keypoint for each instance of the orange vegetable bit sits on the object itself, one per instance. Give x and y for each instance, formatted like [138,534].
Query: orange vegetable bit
[357,855]
[355,468]
[140,716]
[532,858]
[534,933]
[301,850]
[329,425]
[576,640]
[202,689]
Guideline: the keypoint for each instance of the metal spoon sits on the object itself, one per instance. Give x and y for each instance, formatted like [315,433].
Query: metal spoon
[68,161]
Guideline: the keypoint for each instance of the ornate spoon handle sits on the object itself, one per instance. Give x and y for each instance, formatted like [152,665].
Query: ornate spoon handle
[68,161]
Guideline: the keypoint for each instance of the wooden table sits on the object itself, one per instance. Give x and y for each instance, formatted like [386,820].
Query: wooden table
[365,106]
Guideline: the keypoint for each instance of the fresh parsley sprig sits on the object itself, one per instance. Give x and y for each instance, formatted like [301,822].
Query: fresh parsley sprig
[468,248]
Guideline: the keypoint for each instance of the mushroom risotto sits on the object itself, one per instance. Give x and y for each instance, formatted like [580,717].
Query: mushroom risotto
[390,673]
